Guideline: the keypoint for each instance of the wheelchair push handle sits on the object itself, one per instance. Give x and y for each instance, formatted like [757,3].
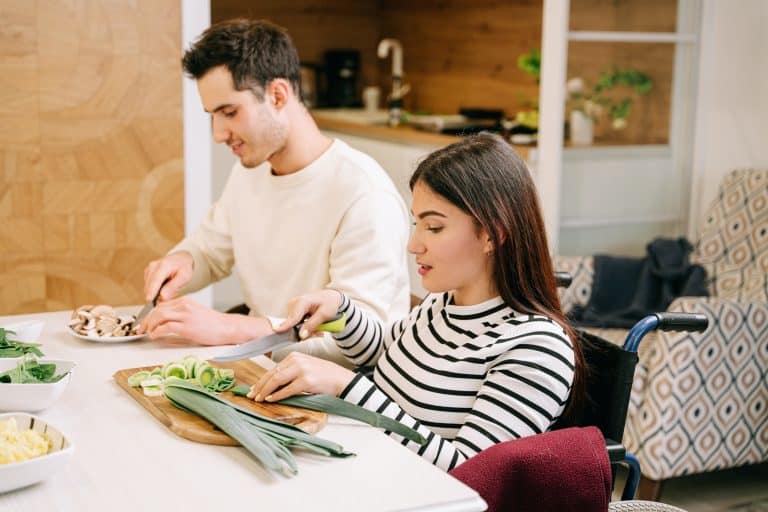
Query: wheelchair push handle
[563,279]
[682,322]
[664,322]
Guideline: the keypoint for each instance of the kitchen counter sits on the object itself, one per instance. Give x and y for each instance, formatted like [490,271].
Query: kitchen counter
[406,135]
[126,460]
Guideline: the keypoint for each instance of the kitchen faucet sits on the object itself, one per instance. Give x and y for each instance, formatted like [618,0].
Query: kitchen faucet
[399,90]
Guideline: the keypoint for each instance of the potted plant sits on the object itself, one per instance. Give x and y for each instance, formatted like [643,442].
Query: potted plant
[587,104]
[526,122]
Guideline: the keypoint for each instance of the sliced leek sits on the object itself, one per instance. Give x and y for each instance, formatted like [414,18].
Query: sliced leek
[135,380]
[189,368]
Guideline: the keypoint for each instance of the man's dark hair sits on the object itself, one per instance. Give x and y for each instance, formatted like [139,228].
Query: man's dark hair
[254,51]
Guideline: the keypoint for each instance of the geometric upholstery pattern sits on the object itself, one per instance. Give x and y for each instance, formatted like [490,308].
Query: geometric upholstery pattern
[700,400]
[582,271]
[732,243]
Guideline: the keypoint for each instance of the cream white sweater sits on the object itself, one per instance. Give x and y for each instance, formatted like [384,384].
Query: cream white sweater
[338,223]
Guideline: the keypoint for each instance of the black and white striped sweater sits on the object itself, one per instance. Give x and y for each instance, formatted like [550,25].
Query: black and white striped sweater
[465,377]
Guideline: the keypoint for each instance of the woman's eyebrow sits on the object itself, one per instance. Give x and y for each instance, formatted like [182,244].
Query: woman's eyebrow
[429,213]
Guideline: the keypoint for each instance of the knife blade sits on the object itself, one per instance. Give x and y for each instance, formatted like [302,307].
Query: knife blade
[149,305]
[277,341]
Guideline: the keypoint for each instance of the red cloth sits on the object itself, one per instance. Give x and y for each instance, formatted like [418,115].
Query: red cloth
[556,471]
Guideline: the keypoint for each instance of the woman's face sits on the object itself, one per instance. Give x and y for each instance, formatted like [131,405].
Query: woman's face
[452,252]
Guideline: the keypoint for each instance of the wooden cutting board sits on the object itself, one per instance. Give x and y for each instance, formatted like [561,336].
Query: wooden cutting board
[193,427]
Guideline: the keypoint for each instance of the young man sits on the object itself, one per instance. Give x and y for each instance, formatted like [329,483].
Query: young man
[300,211]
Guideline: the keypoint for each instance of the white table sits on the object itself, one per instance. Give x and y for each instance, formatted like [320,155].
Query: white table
[125,459]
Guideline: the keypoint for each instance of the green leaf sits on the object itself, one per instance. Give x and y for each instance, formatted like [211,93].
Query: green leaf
[265,438]
[241,390]
[530,63]
[334,405]
[12,348]
[29,371]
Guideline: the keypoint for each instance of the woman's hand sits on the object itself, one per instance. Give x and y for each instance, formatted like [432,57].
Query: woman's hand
[321,306]
[301,373]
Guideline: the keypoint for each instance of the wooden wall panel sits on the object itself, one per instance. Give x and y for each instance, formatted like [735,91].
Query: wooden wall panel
[624,15]
[317,25]
[91,175]
[648,122]
[464,54]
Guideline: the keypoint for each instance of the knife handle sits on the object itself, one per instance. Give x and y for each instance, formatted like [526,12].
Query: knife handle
[157,295]
[335,324]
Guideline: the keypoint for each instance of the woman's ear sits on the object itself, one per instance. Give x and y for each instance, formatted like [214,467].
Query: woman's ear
[488,246]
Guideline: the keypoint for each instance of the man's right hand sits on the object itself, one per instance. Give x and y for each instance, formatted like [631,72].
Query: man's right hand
[177,267]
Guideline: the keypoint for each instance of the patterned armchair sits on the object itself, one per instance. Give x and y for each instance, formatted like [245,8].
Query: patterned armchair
[700,400]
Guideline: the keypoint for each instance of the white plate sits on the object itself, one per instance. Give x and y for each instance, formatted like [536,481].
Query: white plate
[36,396]
[21,474]
[105,339]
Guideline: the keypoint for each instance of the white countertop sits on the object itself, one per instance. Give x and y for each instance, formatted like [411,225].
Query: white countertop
[125,459]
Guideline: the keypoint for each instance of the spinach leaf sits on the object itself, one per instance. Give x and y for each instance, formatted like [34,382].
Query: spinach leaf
[12,348]
[29,371]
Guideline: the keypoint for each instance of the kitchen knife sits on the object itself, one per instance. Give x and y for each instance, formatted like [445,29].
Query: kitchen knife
[277,341]
[149,305]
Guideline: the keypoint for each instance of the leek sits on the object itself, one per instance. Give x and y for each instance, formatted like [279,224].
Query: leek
[339,407]
[266,439]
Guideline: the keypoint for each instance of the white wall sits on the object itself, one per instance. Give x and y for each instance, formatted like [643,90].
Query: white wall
[731,127]
[195,17]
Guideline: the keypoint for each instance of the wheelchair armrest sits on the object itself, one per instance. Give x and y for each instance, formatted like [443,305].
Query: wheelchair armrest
[616,451]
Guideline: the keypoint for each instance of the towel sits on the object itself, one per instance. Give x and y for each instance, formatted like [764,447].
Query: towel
[561,470]
[624,290]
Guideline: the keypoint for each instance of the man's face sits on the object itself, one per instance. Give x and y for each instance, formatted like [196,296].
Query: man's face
[251,128]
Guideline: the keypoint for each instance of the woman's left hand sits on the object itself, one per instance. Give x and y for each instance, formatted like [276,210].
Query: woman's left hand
[301,373]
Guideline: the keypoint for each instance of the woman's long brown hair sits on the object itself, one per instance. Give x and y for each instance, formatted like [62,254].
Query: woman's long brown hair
[483,176]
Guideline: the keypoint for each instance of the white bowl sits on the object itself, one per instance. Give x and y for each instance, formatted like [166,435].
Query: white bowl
[28,331]
[21,474]
[35,397]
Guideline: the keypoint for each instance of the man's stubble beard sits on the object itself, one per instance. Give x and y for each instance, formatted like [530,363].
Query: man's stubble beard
[275,138]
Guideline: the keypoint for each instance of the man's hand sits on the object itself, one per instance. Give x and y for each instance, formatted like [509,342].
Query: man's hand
[177,267]
[186,318]
[301,373]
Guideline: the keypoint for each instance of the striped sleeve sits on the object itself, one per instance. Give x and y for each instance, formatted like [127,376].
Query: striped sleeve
[523,394]
[364,338]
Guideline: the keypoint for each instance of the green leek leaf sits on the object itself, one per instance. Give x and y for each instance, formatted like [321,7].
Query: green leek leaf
[333,405]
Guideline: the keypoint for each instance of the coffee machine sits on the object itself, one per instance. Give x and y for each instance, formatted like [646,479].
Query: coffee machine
[342,69]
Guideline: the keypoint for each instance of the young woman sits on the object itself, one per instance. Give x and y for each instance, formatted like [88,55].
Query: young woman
[488,355]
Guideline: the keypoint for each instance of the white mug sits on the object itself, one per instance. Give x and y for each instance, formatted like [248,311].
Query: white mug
[371,98]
